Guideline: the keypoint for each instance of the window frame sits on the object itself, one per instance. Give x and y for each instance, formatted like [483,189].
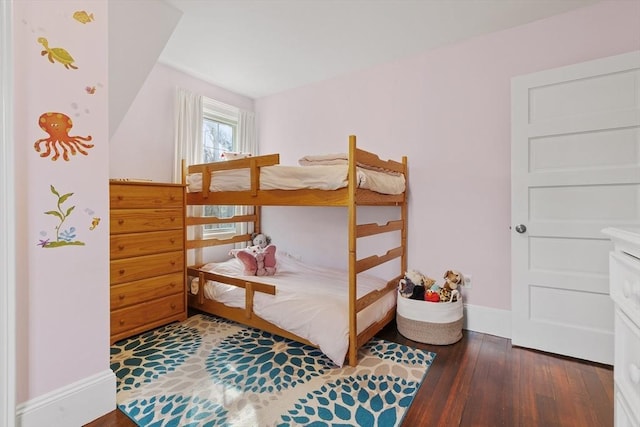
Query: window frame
[219,112]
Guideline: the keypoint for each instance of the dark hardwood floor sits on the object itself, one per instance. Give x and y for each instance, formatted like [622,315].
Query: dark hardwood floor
[483,381]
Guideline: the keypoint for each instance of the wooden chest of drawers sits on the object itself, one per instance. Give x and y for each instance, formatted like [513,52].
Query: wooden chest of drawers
[147,256]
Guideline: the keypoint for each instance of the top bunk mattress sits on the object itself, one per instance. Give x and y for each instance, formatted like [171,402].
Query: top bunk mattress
[317,177]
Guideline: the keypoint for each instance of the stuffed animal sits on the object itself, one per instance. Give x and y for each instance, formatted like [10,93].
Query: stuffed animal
[431,296]
[258,262]
[407,284]
[452,280]
[258,259]
[414,284]
[261,240]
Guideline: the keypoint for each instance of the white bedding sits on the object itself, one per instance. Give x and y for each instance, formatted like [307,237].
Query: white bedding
[321,177]
[310,301]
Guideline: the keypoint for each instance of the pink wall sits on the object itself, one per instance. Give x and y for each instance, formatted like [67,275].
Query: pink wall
[448,110]
[147,128]
[62,290]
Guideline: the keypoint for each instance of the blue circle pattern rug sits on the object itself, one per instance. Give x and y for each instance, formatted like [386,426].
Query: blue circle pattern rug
[207,371]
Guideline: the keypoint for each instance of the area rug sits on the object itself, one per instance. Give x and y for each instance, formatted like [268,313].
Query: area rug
[208,371]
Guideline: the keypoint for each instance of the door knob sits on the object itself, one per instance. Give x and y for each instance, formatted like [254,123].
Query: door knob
[521,228]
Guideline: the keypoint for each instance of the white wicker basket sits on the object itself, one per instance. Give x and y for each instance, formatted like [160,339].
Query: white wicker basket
[430,322]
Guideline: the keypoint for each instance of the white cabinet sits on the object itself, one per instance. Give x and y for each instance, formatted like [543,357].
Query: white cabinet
[624,271]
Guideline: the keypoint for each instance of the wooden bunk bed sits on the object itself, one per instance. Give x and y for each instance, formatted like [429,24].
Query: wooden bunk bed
[350,196]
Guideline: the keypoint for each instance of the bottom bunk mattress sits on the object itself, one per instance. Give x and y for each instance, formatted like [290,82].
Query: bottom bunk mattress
[310,301]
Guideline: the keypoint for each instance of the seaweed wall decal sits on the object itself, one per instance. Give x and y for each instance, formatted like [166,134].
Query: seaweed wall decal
[64,237]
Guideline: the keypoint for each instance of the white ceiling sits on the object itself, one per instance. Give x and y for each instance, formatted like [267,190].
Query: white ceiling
[260,47]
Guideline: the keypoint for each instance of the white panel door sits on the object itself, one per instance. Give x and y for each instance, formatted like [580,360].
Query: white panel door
[575,158]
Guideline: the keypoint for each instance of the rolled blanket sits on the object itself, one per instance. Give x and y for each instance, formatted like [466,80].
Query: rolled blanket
[324,159]
[338,159]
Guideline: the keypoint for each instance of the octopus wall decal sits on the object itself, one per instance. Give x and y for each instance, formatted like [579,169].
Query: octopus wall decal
[58,125]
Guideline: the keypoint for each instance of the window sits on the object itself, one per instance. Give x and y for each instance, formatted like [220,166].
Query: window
[218,137]
[219,131]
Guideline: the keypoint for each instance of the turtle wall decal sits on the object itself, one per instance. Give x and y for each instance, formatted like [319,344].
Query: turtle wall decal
[57,54]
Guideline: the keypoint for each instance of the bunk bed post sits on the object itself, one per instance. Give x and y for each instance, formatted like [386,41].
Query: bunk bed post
[405,217]
[353,326]
[185,236]
[257,223]
[206,181]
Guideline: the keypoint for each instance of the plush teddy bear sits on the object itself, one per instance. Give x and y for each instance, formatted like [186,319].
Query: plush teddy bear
[258,259]
[260,240]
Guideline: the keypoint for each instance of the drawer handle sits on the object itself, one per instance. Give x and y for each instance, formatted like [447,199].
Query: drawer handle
[121,247]
[121,296]
[121,221]
[121,322]
[172,219]
[172,285]
[121,271]
[172,240]
[172,262]
[172,197]
[120,198]
[173,306]
[634,373]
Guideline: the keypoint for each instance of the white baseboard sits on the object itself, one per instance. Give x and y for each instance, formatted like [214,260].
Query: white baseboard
[72,405]
[487,320]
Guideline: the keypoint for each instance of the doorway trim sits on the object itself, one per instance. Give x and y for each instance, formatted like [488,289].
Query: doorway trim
[7,224]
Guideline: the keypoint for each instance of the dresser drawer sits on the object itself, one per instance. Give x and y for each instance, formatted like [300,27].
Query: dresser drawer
[137,244]
[143,267]
[627,360]
[624,270]
[139,315]
[123,196]
[140,220]
[130,293]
